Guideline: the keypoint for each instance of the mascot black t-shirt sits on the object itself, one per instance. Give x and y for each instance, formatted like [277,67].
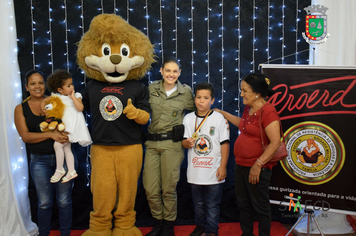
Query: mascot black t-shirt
[107,102]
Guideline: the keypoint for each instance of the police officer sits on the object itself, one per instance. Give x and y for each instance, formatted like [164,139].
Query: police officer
[164,153]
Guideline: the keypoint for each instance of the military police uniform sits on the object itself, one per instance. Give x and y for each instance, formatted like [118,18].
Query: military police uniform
[164,151]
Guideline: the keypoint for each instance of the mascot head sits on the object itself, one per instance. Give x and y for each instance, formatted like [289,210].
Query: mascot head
[113,51]
[311,148]
[55,107]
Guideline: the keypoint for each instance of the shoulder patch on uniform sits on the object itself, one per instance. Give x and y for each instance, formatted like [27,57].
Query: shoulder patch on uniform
[155,94]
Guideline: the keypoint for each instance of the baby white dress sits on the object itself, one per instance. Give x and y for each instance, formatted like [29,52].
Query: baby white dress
[74,121]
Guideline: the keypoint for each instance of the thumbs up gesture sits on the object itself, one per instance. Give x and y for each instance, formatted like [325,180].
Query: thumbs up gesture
[130,110]
[140,116]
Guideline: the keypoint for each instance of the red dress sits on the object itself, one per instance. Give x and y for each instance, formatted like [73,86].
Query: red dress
[248,147]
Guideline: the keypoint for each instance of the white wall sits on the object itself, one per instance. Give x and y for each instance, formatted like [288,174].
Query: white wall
[340,47]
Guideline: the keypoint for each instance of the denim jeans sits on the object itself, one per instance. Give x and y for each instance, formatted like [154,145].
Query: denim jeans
[207,199]
[253,198]
[42,167]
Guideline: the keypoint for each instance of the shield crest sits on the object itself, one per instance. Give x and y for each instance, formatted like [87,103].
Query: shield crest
[316,26]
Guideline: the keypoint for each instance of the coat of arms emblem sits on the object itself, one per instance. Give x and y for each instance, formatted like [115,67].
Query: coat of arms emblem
[315,25]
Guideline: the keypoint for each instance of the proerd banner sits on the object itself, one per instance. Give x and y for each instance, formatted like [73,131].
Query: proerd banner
[317,106]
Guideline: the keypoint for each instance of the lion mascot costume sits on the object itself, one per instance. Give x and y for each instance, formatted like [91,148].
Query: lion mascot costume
[114,56]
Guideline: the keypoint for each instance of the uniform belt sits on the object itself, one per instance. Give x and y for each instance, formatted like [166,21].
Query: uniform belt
[159,137]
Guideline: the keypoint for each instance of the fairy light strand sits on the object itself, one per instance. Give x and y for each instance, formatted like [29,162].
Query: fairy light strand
[208,39]
[222,54]
[128,10]
[83,31]
[192,37]
[33,37]
[253,35]
[50,33]
[283,6]
[268,28]
[176,27]
[66,28]
[87,161]
[161,30]
[147,33]
[239,58]
[296,31]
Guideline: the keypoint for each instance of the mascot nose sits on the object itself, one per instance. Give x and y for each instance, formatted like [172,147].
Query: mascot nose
[115,59]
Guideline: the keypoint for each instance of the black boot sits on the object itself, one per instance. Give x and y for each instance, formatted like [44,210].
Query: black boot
[157,229]
[198,231]
[168,228]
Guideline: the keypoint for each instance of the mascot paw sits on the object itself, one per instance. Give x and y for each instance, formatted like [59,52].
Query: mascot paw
[90,232]
[61,127]
[134,231]
[140,116]
[130,110]
[53,125]
[43,125]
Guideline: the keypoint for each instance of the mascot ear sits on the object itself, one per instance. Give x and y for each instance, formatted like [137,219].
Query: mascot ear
[138,61]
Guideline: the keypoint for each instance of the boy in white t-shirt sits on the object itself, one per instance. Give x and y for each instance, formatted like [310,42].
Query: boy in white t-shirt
[206,136]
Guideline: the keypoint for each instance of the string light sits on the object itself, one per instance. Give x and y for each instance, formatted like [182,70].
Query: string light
[283,46]
[160,29]
[296,31]
[147,34]
[50,32]
[269,28]
[192,37]
[66,29]
[253,35]
[208,39]
[238,60]
[176,28]
[127,10]
[222,53]
[33,37]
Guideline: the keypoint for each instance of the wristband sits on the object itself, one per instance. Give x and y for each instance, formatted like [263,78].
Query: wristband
[260,161]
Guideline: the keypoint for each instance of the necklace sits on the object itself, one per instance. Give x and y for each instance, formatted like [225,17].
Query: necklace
[195,134]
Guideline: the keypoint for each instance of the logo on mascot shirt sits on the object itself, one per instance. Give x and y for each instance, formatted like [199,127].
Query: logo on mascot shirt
[317,153]
[110,108]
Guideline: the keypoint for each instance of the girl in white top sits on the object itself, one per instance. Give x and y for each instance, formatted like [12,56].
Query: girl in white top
[61,85]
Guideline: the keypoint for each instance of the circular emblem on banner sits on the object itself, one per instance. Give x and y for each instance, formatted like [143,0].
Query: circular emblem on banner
[316,153]
[110,108]
[203,145]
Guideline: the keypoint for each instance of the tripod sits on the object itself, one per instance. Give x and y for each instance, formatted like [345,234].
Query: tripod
[310,216]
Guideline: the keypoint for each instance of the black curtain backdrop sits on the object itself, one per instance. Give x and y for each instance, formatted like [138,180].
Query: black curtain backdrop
[252,31]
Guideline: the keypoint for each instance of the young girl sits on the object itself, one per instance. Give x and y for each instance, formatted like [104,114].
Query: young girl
[60,83]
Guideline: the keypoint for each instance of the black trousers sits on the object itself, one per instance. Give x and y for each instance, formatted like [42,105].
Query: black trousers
[253,198]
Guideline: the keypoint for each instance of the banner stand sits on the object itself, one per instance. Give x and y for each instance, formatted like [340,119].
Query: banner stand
[331,223]
[310,217]
[317,107]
